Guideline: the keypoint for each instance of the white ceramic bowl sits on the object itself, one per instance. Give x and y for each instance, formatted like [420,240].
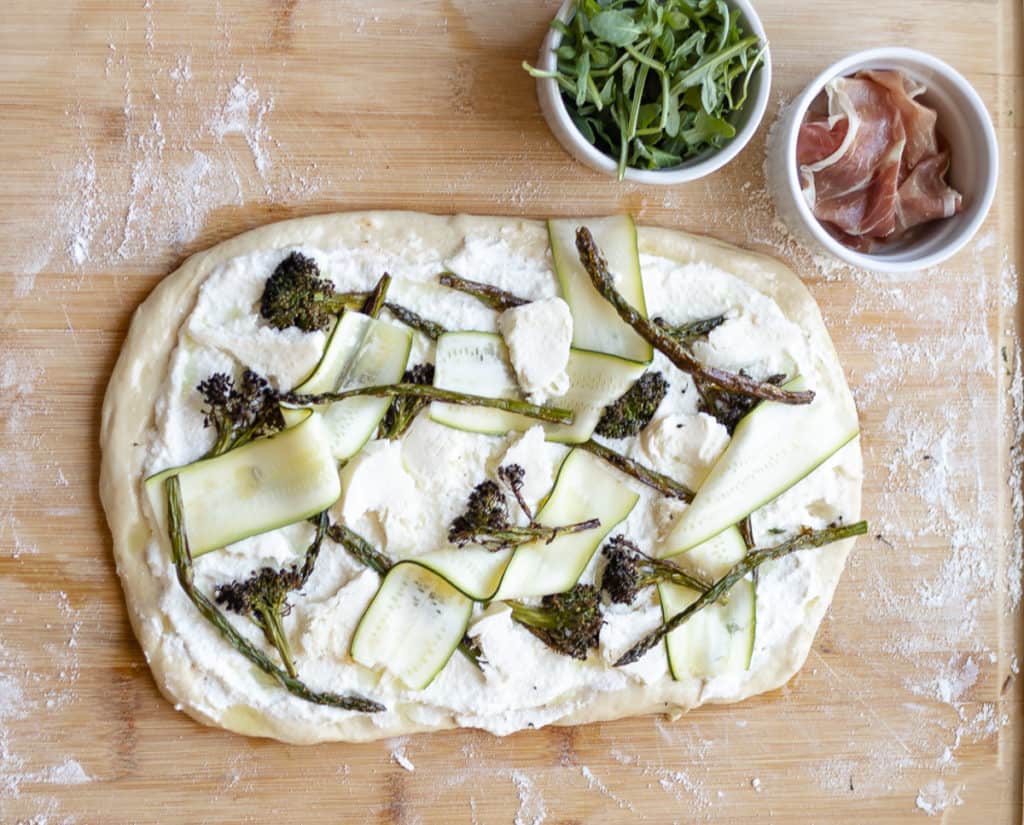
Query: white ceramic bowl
[974,162]
[746,120]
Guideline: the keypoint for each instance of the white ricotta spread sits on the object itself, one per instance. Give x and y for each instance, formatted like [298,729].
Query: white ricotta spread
[538,336]
[402,495]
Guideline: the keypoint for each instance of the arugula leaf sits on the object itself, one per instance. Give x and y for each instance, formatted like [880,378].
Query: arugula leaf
[708,129]
[616,27]
[654,83]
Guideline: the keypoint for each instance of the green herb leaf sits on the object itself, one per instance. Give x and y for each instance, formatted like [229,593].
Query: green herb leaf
[709,130]
[654,83]
[616,27]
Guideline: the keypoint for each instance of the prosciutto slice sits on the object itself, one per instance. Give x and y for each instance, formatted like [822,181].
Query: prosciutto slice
[871,166]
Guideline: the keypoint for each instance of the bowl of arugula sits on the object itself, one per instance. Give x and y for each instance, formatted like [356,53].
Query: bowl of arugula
[654,91]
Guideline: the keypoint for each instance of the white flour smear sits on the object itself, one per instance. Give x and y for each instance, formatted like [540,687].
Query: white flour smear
[182,156]
[36,680]
[399,755]
[935,797]
[935,574]
[144,196]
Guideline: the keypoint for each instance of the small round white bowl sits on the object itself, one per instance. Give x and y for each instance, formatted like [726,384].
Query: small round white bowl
[963,122]
[746,120]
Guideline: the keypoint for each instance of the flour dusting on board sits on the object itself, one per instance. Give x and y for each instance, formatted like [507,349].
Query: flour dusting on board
[115,202]
[532,810]
[399,755]
[36,680]
[155,190]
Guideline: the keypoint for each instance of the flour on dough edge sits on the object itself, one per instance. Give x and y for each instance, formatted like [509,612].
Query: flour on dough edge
[128,413]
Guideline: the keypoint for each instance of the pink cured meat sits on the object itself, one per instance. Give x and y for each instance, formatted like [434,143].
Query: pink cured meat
[819,140]
[918,120]
[855,187]
[872,168]
[925,196]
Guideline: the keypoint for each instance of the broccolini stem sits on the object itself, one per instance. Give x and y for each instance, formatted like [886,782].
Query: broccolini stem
[686,333]
[746,528]
[313,551]
[533,616]
[747,531]
[273,628]
[340,301]
[358,301]
[375,300]
[182,558]
[512,475]
[222,443]
[681,577]
[645,475]
[359,548]
[470,648]
[513,536]
[550,414]
[431,329]
[804,541]
[495,297]
[597,268]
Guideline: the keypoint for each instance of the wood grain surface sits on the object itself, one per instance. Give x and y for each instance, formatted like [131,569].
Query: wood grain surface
[133,134]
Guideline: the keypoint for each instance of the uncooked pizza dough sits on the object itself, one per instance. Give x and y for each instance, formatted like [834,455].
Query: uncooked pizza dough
[401,495]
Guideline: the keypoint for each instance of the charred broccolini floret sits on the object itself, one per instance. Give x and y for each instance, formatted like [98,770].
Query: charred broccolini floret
[486,522]
[514,477]
[569,623]
[628,571]
[486,514]
[239,413]
[263,597]
[296,296]
[728,408]
[404,408]
[634,409]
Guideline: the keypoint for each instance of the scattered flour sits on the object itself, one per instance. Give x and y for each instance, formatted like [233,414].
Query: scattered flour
[593,783]
[399,755]
[34,683]
[243,114]
[532,810]
[152,193]
[68,772]
[678,783]
[240,774]
[935,797]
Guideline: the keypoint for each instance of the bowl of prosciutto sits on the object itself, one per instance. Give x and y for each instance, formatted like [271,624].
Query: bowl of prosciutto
[887,160]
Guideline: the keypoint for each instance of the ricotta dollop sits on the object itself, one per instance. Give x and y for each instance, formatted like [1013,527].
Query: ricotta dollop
[538,336]
[402,495]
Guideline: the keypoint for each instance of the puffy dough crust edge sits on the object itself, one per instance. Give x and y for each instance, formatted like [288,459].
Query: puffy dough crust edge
[128,415]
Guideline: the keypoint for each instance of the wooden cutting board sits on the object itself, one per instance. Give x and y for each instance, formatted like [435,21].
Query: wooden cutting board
[135,133]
